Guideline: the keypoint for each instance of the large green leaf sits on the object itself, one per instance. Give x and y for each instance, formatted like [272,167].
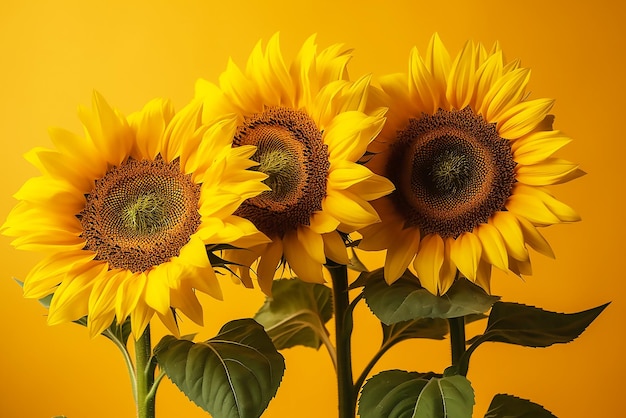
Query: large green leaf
[296,313]
[446,397]
[529,326]
[391,394]
[509,406]
[233,375]
[401,394]
[406,299]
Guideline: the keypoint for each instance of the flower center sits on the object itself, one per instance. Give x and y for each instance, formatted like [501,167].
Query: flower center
[291,152]
[140,214]
[452,171]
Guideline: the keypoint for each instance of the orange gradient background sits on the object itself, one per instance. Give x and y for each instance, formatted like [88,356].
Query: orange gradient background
[53,54]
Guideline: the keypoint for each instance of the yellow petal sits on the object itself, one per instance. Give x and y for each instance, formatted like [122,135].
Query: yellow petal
[400,253]
[349,134]
[335,248]
[270,259]
[373,187]
[448,271]
[504,93]
[322,222]
[538,146]
[157,287]
[181,130]
[534,238]
[149,126]
[301,72]
[462,79]
[187,302]
[422,86]
[466,252]
[523,118]
[346,174]
[483,276]
[128,294]
[429,261]
[487,74]
[494,250]
[312,243]
[241,91]
[303,265]
[438,61]
[349,209]
[355,95]
[531,208]
[194,253]
[108,130]
[549,171]
[170,323]
[508,226]
[562,211]
[140,318]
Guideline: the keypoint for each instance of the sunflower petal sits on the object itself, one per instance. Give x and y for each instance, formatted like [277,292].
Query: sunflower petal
[428,262]
[335,248]
[508,226]
[494,250]
[400,254]
[268,263]
[522,118]
[465,252]
[303,265]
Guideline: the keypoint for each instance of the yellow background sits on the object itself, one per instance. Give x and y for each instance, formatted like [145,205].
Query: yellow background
[52,54]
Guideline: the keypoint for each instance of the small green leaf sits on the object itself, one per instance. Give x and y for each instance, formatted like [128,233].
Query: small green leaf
[296,313]
[355,262]
[446,397]
[509,406]
[518,324]
[406,299]
[233,375]
[431,328]
[392,393]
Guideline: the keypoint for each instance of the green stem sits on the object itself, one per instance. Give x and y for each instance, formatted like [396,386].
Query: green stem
[127,360]
[457,338]
[145,375]
[343,332]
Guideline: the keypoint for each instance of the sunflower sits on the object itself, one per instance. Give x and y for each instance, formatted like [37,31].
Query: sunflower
[470,155]
[124,214]
[309,125]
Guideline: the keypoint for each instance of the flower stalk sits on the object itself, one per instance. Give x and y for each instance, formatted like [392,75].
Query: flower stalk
[457,338]
[343,333]
[145,376]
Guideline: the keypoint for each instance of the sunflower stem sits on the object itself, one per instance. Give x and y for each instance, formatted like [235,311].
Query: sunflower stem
[457,338]
[343,333]
[145,376]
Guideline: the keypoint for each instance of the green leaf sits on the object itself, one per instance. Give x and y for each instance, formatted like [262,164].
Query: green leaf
[518,324]
[524,325]
[446,397]
[233,375]
[406,299]
[296,313]
[400,394]
[431,328]
[509,406]
[391,394]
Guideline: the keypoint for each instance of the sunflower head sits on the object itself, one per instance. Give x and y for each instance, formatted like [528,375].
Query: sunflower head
[124,214]
[310,127]
[470,155]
